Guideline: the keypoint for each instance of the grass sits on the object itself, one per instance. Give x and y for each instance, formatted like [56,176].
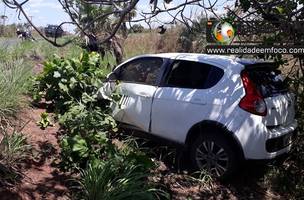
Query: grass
[16,64]
[115,181]
[140,43]
[152,42]
[14,148]
[109,178]
[14,77]
[13,151]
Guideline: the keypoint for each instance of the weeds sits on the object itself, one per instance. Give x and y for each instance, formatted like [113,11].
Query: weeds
[13,151]
[110,180]
[14,76]
[44,121]
[14,148]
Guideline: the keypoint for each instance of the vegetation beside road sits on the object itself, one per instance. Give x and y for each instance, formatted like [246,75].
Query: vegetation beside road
[91,146]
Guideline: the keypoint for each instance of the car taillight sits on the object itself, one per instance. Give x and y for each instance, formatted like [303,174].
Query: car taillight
[253,101]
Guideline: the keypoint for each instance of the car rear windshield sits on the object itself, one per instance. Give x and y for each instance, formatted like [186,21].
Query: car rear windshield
[268,80]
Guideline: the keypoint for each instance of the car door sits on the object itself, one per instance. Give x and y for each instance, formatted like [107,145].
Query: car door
[138,82]
[184,98]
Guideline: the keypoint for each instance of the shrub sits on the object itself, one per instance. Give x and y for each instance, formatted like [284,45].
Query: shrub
[64,81]
[86,137]
[111,173]
[137,28]
[72,85]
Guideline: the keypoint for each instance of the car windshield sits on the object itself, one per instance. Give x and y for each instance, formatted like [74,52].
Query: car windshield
[269,81]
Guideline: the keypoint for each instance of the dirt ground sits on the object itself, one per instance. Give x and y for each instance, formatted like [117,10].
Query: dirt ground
[42,179]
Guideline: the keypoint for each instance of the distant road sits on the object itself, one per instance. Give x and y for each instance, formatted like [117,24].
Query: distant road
[7,42]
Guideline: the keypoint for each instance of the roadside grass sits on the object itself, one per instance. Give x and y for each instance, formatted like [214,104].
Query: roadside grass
[16,68]
[153,42]
[140,43]
[14,150]
[17,62]
[14,82]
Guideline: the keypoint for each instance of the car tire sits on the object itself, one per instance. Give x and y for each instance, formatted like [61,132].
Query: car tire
[213,153]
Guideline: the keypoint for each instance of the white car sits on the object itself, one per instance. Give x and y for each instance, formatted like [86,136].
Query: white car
[222,109]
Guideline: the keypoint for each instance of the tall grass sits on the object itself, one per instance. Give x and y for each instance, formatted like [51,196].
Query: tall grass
[119,178]
[153,42]
[13,151]
[14,76]
[14,148]
[140,43]
[16,63]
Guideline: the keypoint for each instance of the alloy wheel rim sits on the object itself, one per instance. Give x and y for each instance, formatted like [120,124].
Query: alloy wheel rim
[212,158]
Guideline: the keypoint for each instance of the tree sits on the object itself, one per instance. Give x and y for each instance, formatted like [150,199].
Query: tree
[286,17]
[3,19]
[137,28]
[121,10]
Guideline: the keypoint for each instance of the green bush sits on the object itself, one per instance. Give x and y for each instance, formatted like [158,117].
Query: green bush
[111,172]
[14,148]
[72,85]
[86,137]
[122,175]
[65,81]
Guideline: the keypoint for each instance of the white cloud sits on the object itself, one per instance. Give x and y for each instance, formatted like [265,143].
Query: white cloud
[43,3]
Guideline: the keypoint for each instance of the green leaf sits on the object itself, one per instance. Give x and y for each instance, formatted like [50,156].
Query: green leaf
[280,9]
[56,74]
[80,146]
[63,87]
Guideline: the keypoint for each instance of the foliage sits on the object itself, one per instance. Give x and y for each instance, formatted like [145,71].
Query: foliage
[72,85]
[64,81]
[123,175]
[137,28]
[116,179]
[44,121]
[13,147]
[111,172]
[87,130]
[13,150]
[193,38]
[14,76]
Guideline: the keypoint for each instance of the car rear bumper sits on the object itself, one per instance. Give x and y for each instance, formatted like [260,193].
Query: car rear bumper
[280,140]
[263,143]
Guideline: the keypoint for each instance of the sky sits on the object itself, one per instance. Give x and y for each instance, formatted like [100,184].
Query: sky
[45,12]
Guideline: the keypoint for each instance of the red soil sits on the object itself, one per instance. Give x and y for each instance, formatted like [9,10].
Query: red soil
[42,179]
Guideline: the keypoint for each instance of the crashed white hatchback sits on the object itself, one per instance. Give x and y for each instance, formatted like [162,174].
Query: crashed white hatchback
[222,109]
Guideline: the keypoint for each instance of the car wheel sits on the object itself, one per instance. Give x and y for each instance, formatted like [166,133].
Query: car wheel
[214,154]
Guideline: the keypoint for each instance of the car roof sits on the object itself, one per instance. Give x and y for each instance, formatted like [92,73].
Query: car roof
[225,62]
[217,59]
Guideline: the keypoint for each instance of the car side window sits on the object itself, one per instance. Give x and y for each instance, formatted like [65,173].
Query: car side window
[142,70]
[195,75]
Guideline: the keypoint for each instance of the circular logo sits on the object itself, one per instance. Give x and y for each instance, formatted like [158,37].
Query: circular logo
[223,32]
